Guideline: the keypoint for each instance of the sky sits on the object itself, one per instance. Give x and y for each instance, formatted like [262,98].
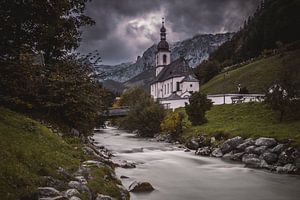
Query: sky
[124,29]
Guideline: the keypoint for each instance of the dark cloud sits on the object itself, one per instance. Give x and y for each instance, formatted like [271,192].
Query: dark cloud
[125,28]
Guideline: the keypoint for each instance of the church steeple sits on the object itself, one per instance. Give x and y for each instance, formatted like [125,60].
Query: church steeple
[163,54]
[163,44]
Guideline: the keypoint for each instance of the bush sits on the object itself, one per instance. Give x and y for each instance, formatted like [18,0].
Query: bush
[199,104]
[145,114]
[175,122]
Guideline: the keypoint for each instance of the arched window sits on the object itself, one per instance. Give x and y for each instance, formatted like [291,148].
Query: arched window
[165,59]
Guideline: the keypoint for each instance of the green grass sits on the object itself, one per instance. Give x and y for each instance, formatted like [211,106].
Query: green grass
[29,151]
[246,120]
[106,186]
[256,76]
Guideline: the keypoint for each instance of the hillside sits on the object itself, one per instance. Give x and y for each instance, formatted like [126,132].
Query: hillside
[246,120]
[31,156]
[256,76]
[272,25]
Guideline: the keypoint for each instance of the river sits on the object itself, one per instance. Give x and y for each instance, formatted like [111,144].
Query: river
[179,175]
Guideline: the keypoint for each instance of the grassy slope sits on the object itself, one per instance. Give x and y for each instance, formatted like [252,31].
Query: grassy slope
[256,76]
[247,120]
[29,150]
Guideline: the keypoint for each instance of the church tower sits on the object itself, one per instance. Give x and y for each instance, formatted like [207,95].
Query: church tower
[163,54]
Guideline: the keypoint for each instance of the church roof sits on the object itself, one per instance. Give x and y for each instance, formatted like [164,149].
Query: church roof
[163,45]
[190,78]
[178,68]
[173,96]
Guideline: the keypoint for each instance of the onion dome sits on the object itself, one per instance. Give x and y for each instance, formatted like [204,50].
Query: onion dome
[163,44]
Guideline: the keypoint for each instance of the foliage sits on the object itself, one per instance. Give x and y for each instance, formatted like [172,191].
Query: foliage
[206,71]
[274,21]
[258,75]
[247,120]
[145,114]
[175,122]
[33,26]
[279,98]
[198,105]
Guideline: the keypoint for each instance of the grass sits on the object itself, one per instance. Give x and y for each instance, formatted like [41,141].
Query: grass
[256,76]
[246,120]
[106,186]
[29,151]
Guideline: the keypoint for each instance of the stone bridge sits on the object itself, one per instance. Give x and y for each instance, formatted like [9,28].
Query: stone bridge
[117,112]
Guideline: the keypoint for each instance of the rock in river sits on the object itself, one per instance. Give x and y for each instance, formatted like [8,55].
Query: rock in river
[204,151]
[270,158]
[251,160]
[231,144]
[140,187]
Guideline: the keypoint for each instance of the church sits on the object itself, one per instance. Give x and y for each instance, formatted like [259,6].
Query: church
[174,81]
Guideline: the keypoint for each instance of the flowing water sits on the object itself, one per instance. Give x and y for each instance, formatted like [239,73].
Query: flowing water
[179,175]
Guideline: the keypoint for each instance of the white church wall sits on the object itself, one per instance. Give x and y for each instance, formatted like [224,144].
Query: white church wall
[190,86]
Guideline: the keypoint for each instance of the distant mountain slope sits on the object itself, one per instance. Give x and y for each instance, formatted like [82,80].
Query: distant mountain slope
[257,76]
[195,49]
[273,24]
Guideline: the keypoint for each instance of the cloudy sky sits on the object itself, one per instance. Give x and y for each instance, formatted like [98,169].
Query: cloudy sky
[125,28]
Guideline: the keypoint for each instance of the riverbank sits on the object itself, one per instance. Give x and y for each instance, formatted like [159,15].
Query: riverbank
[39,162]
[176,174]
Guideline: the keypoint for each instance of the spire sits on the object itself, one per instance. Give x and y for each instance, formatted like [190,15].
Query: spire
[163,30]
[163,44]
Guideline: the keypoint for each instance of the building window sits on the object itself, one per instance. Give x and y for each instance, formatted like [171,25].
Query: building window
[191,85]
[165,59]
[177,86]
[168,88]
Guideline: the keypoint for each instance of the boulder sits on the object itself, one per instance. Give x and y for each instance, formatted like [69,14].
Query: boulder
[288,168]
[124,164]
[251,160]
[278,148]
[245,144]
[88,151]
[71,192]
[103,197]
[79,186]
[228,155]
[81,179]
[54,198]
[263,141]
[250,149]
[192,144]
[237,156]
[74,198]
[260,150]
[203,151]
[288,156]
[91,163]
[265,165]
[140,187]
[217,153]
[231,144]
[48,192]
[269,157]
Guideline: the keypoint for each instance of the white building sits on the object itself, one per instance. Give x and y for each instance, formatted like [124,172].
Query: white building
[174,81]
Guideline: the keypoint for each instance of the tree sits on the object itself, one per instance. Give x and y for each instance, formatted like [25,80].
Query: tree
[197,107]
[175,122]
[145,114]
[49,26]
[206,71]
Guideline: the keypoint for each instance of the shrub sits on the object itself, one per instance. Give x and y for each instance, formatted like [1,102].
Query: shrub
[175,122]
[145,114]
[199,104]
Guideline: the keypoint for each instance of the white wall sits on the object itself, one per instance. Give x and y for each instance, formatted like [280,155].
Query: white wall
[173,104]
[218,99]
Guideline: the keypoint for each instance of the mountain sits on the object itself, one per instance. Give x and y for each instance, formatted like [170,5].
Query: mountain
[195,49]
